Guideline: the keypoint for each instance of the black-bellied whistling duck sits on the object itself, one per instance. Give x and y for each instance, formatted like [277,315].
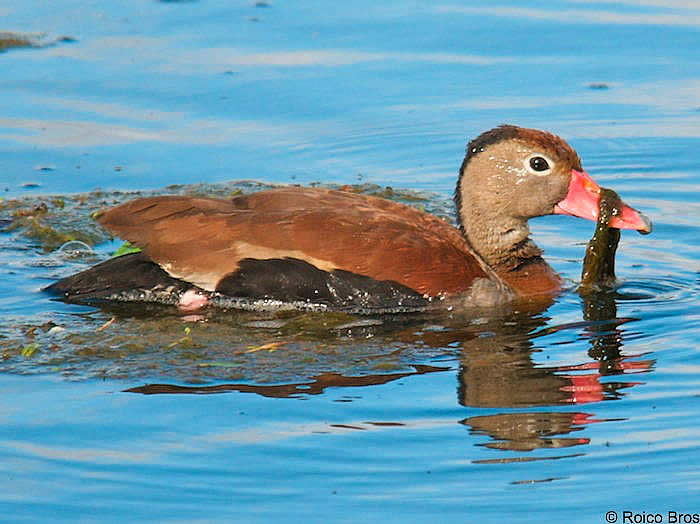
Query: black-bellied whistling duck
[333,249]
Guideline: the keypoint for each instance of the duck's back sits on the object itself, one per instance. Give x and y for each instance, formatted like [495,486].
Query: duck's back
[204,241]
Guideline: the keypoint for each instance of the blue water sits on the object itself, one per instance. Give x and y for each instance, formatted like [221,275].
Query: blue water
[560,415]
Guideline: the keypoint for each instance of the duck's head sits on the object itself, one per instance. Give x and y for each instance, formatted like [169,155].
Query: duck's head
[523,173]
[511,174]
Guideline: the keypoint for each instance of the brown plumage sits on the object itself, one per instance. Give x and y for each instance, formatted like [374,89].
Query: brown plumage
[202,240]
[316,238]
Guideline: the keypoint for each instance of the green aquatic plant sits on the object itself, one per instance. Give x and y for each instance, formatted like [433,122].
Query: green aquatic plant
[598,272]
[51,238]
[50,222]
[126,248]
[28,350]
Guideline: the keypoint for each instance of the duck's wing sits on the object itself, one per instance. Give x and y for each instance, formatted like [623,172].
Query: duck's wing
[205,241]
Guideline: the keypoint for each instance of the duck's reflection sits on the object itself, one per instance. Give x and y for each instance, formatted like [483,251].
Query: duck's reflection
[500,367]
[315,386]
[496,373]
[529,431]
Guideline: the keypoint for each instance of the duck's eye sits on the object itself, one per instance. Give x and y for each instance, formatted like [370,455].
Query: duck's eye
[537,163]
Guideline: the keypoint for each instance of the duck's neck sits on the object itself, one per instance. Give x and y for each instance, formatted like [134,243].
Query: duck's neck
[503,243]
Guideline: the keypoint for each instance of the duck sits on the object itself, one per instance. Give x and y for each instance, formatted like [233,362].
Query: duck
[315,248]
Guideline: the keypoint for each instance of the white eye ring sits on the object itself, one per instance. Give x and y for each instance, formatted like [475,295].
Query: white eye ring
[528,163]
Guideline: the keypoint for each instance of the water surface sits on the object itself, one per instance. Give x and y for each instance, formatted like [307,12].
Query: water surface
[561,414]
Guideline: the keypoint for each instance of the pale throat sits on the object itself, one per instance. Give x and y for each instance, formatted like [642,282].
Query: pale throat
[501,240]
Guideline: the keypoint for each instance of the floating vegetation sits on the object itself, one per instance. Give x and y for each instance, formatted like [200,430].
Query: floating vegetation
[156,342]
[47,222]
[270,346]
[185,340]
[423,200]
[388,192]
[28,350]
